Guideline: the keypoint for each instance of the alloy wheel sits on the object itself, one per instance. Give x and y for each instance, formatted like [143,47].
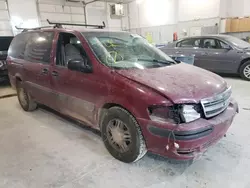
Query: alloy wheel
[246,71]
[118,135]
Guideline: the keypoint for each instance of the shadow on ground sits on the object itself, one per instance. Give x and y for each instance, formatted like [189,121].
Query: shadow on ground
[173,167]
[6,90]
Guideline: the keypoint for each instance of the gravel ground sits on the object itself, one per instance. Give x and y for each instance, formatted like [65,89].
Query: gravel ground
[42,149]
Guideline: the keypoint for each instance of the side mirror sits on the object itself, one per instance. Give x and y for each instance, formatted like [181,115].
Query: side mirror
[80,65]
[227,47]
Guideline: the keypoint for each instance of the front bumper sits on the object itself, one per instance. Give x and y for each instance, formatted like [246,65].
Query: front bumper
[187,141]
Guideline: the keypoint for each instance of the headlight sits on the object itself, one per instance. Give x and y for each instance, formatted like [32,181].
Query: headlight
[190,113]
[164,114]
[174,114]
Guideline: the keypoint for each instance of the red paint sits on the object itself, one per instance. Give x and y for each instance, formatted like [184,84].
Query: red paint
[83,95]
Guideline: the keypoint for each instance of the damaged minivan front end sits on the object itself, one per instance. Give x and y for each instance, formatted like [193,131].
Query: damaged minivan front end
[197,112]
[186,132]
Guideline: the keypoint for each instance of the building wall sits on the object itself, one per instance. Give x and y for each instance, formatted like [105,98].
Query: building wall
[5,27]
[34,13]
[23,14]
[57,10]
[198,9]
[152,13]
[98,12]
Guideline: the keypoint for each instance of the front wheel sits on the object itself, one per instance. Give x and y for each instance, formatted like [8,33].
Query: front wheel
[25,100]
[122,135]
[245,71]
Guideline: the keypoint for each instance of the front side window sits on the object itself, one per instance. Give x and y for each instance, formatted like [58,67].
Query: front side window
[38,47]
[69,47]
[210,43]
[224,45]
[214,44]
[124,50]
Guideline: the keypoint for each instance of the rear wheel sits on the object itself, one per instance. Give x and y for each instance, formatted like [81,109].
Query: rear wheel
[122,135]
[25,100]
[245,71]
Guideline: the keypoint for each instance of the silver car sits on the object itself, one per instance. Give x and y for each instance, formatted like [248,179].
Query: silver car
[217,53]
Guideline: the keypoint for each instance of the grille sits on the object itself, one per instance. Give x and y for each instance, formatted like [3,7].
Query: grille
[215,105]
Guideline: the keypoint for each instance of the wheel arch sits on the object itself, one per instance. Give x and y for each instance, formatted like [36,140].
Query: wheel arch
[15,79]
[242,62]
[103,109]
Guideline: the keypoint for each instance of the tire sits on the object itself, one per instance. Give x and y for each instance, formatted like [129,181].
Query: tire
[136,147]
[245,71]
[25,100]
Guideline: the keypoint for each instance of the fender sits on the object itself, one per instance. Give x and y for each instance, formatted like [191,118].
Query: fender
[114,101]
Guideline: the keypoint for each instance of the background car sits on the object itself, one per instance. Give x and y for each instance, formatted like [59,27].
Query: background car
[217,53]
[4,46]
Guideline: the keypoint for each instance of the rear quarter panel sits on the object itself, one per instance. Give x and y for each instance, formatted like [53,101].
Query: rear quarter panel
[15,70]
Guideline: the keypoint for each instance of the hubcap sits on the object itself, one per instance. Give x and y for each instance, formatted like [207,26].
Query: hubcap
[118,135]
[247,71]
[23,97]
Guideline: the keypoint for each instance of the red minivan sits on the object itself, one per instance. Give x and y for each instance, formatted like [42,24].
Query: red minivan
[138,97]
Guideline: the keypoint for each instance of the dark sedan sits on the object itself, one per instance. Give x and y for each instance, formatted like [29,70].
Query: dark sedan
[4,46]
[217,53]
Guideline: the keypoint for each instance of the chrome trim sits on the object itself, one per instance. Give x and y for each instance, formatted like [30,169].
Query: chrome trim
[213,106]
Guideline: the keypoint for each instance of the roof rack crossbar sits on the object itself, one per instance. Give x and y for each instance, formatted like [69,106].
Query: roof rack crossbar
[59,24]
[35,28]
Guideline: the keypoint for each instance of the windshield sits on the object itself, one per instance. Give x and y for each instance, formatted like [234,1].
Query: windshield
[237,42]
[124,50]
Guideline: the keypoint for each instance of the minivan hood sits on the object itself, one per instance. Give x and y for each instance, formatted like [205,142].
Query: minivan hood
[180,83]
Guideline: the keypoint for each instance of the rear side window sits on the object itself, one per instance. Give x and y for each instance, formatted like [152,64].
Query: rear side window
[38,47]
[187,43]
[18,45]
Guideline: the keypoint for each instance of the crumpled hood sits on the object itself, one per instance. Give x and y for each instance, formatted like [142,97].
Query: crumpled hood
[181,83]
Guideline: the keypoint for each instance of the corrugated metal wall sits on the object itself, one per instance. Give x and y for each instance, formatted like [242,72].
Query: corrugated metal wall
[57,10]
[5,26]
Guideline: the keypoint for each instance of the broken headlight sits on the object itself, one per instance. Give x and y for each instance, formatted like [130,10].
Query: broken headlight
[164,114]
[174,114]
[190,113]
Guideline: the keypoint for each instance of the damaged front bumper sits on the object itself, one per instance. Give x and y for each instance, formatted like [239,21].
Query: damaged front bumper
[187,141]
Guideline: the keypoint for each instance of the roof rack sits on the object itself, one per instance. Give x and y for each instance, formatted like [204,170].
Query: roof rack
[35,28]
[59,24]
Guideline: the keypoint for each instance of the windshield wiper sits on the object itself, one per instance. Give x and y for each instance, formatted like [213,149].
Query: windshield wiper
[157,61]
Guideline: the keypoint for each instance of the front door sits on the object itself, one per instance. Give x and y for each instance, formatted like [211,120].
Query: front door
[75,91]
[217,56]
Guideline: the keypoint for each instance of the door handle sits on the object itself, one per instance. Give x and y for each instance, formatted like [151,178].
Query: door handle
[45,71]
[54,73]
[205,53]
